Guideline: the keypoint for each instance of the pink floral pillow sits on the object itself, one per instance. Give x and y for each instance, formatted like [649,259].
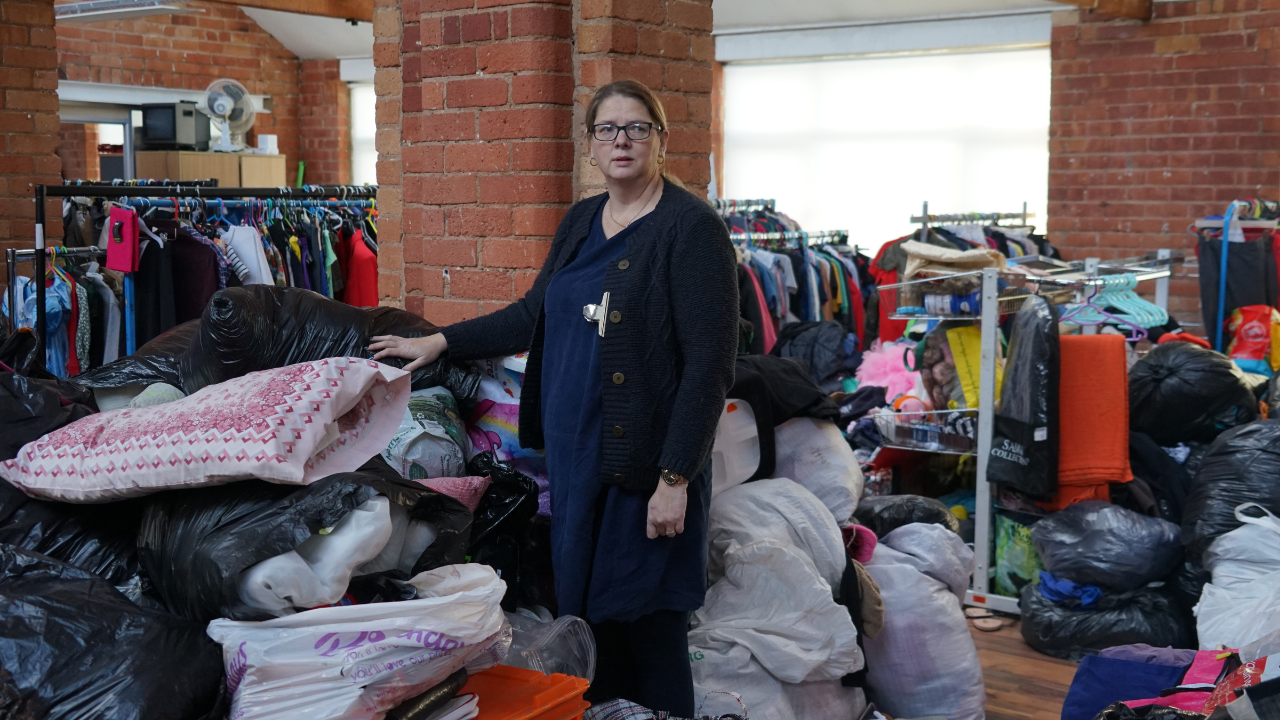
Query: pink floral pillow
[291,425]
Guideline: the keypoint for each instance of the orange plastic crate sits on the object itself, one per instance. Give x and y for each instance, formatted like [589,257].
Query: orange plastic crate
[508,693]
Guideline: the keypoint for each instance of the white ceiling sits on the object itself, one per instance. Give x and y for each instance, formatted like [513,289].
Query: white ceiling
[776,13]
[312,36]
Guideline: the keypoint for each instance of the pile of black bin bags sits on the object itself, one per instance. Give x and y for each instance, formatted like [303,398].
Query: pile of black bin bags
[1183,559]
[103,608]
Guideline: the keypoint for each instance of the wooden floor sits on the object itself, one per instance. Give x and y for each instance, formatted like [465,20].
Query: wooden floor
[1022,684]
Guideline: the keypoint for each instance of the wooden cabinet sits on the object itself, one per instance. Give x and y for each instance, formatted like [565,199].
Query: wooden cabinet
[230,169]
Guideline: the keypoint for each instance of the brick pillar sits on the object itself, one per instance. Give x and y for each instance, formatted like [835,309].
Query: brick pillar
[28,120]
[486,154]
[391,28]
[78,151]
[324,123]
[665,44]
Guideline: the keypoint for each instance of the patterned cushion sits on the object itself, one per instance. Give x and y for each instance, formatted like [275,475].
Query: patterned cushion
[291,425]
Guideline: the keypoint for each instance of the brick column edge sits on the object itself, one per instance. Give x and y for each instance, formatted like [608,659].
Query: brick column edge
[388,31]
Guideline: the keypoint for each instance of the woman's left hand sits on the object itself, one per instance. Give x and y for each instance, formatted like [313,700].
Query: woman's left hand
[666,510]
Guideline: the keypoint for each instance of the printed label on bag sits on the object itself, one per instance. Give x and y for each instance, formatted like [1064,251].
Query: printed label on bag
[1042,434]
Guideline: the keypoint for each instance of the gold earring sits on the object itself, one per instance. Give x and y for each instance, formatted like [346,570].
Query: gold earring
[593,162]
[662,159]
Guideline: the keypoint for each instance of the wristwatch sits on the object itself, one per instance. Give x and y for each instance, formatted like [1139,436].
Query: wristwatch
[672,478]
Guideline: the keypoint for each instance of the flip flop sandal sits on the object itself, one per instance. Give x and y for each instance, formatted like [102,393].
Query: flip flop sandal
[991,624]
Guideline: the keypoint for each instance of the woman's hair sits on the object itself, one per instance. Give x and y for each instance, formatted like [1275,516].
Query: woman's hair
[635,91]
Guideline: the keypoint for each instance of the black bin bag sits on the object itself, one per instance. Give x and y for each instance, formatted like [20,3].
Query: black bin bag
[194,544]
[1181,392]
[886,513]
[1242,465]
[72,648]
[1147,615]
[1024,448]
[507,537]
[29,409]
[98,539]
[1097,543]
[258,327]
[158,361]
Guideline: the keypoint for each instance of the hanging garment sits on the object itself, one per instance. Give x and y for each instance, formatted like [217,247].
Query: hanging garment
[153,293]
[57,308]
[768,335]
[750,310]
[112,317]
[361,267]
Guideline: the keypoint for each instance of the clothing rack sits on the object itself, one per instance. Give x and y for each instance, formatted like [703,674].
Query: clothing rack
[12,257]
[744,205]
[194,203]
[189,190]
[840,237]
[924,219]
[141,183]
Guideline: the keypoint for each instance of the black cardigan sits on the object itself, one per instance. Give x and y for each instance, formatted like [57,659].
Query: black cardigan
[667,357]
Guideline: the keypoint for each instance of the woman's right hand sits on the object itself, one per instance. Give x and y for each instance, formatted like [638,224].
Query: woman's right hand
[420,350]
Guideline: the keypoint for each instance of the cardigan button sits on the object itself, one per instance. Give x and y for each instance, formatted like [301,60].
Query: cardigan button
[624,264]
[615,317]
[618,378]
[619,478]
[617,431]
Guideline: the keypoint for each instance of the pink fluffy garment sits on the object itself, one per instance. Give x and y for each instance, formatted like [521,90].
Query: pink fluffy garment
[883,366]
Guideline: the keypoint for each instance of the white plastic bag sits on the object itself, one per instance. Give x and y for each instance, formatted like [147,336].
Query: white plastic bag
[356,662]
[431,441]
[1246,553]
[923,662]
[318,571]
[815,454]
[778,510]
[1238,616]
[735,456]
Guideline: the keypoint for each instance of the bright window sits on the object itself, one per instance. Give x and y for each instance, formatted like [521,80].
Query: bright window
[860,144]
[364,153]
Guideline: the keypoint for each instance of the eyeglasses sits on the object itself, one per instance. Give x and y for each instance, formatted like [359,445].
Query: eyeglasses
[635,131]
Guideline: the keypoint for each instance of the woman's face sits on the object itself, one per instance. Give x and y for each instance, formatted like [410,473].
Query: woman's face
[624,158]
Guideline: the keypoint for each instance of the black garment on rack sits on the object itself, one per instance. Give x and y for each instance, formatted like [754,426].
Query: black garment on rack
[307,233]
[153,293]
[195,265]
[1251,278]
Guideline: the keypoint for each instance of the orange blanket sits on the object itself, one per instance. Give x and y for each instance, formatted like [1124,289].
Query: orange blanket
[1093,411]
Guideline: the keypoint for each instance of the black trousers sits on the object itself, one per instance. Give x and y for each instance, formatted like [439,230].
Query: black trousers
[646,662]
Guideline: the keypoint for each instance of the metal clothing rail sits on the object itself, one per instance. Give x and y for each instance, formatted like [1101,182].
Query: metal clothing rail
[924,219]
[141,183]
[196,203]
[803,235]
[736,205]
[42,192]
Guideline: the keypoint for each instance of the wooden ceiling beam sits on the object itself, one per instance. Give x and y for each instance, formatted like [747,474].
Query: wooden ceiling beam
[342,9]
[1134,9]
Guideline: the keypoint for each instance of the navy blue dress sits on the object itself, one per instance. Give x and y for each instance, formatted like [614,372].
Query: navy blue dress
[606,568]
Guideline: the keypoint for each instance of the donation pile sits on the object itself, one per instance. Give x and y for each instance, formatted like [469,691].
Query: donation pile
[249,518]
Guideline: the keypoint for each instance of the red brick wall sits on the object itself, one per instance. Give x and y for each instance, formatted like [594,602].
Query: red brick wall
[28,119]
[486,156]
[189,52]
[665,44]
[324,120]
[1157,124]
[491,97]
[78,150]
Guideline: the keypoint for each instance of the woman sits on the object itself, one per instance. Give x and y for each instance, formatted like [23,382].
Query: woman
[625,403]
